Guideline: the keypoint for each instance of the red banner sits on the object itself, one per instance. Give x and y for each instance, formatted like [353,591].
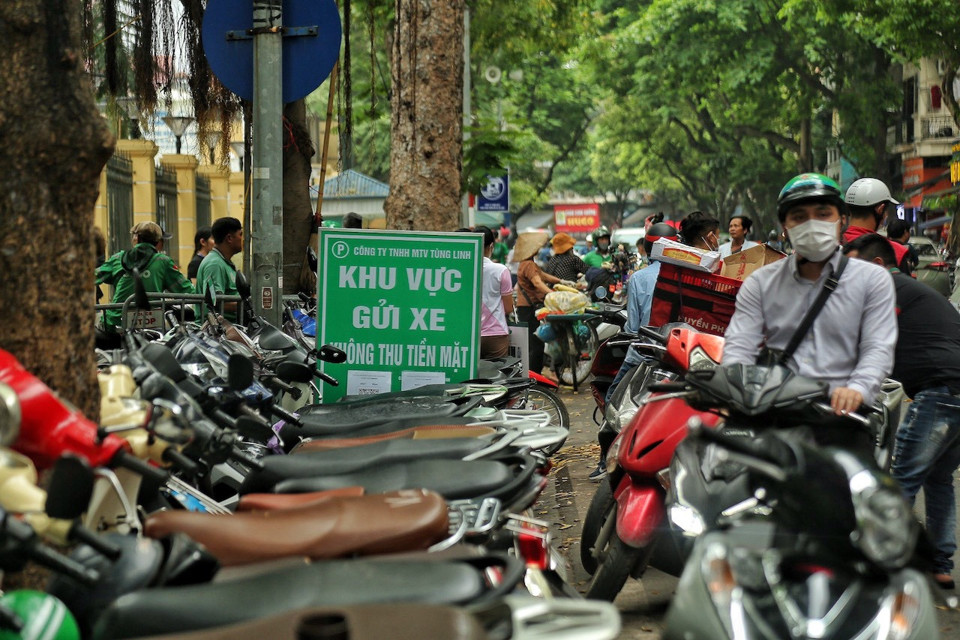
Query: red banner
[576,218]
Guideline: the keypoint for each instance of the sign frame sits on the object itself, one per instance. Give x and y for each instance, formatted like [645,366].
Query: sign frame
[404,305]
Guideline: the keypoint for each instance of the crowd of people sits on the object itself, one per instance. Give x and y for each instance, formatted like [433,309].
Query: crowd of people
[871,319]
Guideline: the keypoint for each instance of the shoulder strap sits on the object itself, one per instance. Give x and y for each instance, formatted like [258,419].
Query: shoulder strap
[828,287]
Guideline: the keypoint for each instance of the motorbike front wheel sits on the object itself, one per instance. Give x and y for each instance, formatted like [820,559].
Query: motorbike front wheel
[579,352]
[601,510]
[619,562]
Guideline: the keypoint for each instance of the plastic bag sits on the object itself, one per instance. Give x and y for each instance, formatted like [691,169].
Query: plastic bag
[566,302]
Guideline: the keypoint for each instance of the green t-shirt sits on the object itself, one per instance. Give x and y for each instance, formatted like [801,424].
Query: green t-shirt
[218,273]
[158,272]
[500,252]
[595,259]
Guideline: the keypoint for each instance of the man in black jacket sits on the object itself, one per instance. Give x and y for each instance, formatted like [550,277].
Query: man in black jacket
[927,363]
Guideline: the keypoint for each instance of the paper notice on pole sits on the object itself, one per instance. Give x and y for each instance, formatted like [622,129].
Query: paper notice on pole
[261,173]
[414,379]
[365,383]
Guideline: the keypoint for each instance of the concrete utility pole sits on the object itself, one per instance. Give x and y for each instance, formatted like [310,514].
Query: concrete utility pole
[267,167]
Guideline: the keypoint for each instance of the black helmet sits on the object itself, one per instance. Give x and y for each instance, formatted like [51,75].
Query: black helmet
[657,231]
[809,186]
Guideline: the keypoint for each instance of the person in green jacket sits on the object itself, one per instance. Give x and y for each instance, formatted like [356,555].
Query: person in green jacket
[216,271]
[602,251]
[158,272]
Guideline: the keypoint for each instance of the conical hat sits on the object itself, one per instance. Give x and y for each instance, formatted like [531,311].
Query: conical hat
[528,244]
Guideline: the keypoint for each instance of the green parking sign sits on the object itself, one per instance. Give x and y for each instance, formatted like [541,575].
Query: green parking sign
[404,306]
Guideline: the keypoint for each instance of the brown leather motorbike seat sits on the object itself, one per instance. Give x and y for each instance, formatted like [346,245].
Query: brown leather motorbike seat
[413,433]
[384,523]
[271,501]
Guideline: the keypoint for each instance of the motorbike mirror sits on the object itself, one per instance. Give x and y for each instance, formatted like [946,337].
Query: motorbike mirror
[10,416]
[312,259]
[331,354]
[169,423]
[140,291]
[239,372]
[294,372]
[600,293]
[71,486]
[243,285]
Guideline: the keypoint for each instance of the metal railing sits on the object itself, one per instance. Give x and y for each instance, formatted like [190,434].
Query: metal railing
[938,127]
[177,302]
[119,202]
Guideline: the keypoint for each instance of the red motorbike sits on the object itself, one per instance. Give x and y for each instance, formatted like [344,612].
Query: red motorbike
[626,520]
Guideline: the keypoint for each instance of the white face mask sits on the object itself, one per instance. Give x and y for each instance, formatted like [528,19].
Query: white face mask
[815,240]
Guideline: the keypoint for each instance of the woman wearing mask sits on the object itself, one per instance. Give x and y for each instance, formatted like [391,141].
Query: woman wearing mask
[532,287]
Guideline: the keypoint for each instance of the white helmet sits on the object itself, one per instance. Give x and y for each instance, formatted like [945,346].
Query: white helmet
[867,192]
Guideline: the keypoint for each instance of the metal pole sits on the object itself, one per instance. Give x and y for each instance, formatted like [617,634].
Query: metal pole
[326,142]
[465,200]
[267,168]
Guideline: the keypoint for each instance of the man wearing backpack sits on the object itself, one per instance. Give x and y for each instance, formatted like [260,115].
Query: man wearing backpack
[158,272]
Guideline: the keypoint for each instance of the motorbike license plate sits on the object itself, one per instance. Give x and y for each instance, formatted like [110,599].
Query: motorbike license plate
[143,319]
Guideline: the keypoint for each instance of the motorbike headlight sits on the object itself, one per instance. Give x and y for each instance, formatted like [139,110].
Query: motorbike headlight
[613,453]
[886,531]
[699,360]
[687,519]
[9,415]
[624,416]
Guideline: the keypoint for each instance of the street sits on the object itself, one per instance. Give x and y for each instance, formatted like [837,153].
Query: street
[642,603]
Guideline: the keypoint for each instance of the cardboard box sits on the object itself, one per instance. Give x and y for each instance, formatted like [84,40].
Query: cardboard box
[739,265]
[684,255]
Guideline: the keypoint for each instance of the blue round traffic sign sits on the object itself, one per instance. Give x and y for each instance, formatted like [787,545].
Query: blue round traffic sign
[311,44]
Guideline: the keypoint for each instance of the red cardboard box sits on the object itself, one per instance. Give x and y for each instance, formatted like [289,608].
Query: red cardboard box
[705,301]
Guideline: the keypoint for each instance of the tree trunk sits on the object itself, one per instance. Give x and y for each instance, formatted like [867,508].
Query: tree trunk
[55,144]
[297,207]
[427,124]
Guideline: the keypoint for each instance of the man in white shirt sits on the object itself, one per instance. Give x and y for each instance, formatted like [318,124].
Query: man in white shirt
[739,228]
[851,343]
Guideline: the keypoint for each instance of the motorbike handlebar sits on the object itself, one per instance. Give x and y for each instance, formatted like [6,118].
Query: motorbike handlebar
[180,461]
[99,544]
[135,464]
[856,417]
[59,563]
[25,539]
[239,456]
[285,415]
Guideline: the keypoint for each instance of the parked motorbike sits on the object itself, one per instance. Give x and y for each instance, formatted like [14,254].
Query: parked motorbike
[818,543]
[627,513]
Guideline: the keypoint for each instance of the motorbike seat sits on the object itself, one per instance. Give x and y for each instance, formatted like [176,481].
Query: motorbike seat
[427,432]
[368,455]
[340,419]
[453,479]
[387,523]
[364,622]
[336,582]
[270,501]
[314,428]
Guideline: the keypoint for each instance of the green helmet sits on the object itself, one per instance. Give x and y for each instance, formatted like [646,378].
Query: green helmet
[43,616]
[599,232]
[809,186]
